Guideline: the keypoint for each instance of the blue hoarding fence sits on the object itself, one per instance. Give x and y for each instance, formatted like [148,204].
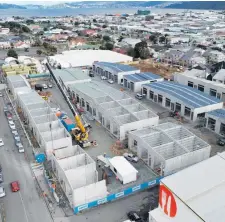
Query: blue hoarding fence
[115,196]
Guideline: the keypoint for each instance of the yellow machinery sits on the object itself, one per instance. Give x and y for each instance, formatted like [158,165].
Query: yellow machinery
[80,133]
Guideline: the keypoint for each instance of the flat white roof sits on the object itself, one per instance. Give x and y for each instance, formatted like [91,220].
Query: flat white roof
[202,188]
[76,58]
[122,166]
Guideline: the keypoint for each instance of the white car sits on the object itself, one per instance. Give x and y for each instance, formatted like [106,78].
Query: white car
[44,86]
[12,125]
[110,81]
[103,78]
[0,94]
[2,191]
[15,133]
[49,85]
[131,157]
[1,142]
[20,147]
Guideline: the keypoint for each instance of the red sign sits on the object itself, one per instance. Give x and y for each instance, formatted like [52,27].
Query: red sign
[167,201]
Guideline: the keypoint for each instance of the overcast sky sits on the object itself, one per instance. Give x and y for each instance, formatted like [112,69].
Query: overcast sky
[48,2]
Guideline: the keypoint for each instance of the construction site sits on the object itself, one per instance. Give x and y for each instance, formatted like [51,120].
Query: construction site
[100,143]
[149,65]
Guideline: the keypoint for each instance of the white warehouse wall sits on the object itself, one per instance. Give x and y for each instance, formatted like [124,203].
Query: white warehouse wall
[72,162]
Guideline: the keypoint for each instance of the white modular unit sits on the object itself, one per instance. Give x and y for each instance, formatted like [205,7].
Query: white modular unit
[168,148]
[123,169]
[115,110]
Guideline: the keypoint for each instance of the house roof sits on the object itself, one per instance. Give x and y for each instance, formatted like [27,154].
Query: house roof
[140,77]
[193,97]
[116,66]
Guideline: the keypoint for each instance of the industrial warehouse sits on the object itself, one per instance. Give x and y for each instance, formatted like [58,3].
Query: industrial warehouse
[189,102]
[194,194]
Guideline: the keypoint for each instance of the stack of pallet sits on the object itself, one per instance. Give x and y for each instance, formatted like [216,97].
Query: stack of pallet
[118,148]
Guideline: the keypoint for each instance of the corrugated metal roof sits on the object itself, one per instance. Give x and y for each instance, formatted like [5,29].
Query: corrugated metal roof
[218,113]
[143,76]
[116,67]
[202,188]
[188,95]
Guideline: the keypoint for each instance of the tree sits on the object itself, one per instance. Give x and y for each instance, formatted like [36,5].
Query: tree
[153,38]
[106,38]
[12,53]
[45,45]
[76,23]
[104,26]
[141,50]
[45,29]
[162,39]
[131,52]
[94,20]
[25,29]
[109,46]
[29,21]
[39,52]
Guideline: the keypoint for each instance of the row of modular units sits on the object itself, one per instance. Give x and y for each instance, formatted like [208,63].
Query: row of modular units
[119,195]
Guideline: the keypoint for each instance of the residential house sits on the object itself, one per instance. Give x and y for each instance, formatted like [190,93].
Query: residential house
[215,56]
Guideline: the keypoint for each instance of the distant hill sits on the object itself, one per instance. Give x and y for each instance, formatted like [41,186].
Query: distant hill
[10,6]
[211,5]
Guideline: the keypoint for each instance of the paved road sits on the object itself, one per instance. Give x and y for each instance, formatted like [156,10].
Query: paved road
[26,205]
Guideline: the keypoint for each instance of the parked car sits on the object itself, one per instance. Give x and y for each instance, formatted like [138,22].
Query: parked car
[5,109]
[16,138]
[1,94]
[0,168]
[91,74]
[1,142]
[9,118]
[1,178]
[131,157]
[20,147]
[139,96]
[110,81]
[134,216]
[15,133]
[103,78]
[49,85]
[15,186]
[12,125]
[2,191]
[44,86]
[8,114]
[221,141]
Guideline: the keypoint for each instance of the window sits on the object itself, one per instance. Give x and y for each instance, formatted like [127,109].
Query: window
[178,107]
[218,95]
[211,123]
[144,92]
[212,92]
[201,88]
[151,94]
[187,111]
[82,102]
[115,170]
[160,99]
[191,84]
[222,129]
[168,101]
[135,142]
[93,68]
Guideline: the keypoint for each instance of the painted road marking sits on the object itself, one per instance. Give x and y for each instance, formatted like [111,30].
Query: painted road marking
[25,212]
